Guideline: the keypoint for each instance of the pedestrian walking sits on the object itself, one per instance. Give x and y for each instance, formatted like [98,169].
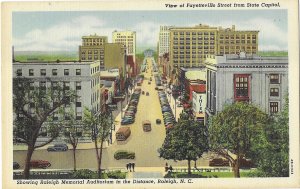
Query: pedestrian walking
[133,164]
[127,166]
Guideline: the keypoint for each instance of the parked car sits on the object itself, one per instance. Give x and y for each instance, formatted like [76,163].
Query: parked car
[124,155]
[39,164]
[219,162]
[57,147]
[16,165]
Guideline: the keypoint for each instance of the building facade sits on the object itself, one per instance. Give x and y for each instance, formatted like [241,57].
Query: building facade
[82,78]
[260,80]
[190,45]
[164,40]
[128,39]
[92,48]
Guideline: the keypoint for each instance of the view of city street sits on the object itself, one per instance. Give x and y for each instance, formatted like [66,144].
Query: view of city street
[149,94]
[144,144]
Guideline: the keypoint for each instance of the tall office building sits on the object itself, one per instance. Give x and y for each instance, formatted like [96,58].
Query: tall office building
[190,45]
[92,48]
[164,40]
[127,38]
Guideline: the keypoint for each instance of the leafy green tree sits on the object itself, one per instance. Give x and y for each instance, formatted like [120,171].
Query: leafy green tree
[99,125]
[72,133]
[234,132]
[273,158]
[186,141]
[34,108]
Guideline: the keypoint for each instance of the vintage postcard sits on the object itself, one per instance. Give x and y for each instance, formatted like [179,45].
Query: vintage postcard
[150,94]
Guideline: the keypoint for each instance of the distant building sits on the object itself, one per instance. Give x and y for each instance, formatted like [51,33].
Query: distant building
[128,39]
[164,40]
[260,80]
[92,48]
[190,45]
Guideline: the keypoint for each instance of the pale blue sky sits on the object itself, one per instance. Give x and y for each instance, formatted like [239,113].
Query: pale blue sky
[46,31]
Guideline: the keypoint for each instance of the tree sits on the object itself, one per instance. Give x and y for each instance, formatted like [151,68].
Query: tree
[99,125]
[34,108]
[273,159]
[233,133]
[72,133]
[186,141]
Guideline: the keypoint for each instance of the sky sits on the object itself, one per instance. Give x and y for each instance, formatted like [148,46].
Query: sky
[62,31]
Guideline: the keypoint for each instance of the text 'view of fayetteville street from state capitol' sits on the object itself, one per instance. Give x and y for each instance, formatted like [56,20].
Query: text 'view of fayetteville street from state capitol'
[204,101]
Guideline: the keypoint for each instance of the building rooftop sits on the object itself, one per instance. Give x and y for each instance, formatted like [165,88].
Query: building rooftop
[55,62]
[93,36]
[109,73]
[243,58]
[195,75]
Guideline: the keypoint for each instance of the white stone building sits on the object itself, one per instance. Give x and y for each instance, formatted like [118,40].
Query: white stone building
[127,38]
[259,80]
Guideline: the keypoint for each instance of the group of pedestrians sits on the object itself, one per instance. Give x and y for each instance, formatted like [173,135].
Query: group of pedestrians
[130,166]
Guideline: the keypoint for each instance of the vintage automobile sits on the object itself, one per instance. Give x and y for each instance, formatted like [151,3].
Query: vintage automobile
[16,165]
[123,133]
[57,147]
[146,126]
[39,164]
[219,162]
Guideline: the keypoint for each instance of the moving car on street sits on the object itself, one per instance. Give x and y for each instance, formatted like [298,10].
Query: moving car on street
[123,133]
[57,147]
[146,126]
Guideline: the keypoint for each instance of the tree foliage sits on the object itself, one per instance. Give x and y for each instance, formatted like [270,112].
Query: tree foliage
[186,141]
[34,107]
[99,125]
[273,159]
[235,132]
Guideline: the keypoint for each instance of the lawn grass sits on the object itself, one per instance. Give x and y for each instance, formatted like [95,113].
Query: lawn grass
[46,56]
[206,175]
[273,53]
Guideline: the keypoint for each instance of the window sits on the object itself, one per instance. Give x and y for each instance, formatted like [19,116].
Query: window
[31,85]
[31,73]
[78,115]
[78,71]
[66,85]
[66,71]
[54,71]
[43,72]
[273,107]
[241,87]
[43,85]
[78,85]
[274,91]
[19,72]
[274,78]
[78,104]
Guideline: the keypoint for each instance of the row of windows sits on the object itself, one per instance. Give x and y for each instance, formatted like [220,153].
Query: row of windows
[55,84]
[237,42]
[44,73]
[91,51]
[194,33]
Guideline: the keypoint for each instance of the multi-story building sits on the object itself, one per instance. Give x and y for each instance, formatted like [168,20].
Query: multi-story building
[127,38]
[260,80]
[81,77]
[92,48]
[115,57]
[190,45]
[164,40]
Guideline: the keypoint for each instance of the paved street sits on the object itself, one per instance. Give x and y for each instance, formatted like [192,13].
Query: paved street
[144,144]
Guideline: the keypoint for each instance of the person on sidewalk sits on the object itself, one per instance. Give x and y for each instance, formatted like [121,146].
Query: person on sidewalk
[127,166]
[171,168]
[133,164]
